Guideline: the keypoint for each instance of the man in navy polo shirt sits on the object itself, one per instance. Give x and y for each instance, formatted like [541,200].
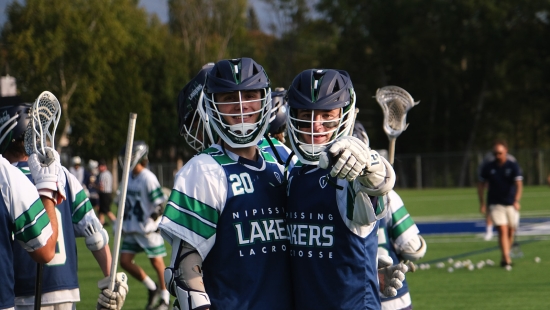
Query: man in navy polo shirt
[505,184]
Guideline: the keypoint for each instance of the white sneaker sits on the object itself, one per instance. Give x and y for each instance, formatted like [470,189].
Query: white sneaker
[488,236]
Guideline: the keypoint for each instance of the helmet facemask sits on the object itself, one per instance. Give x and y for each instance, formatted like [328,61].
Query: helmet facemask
[308,150]
[249,122]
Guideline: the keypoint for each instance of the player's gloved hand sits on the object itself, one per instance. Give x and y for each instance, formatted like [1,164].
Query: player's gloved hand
[48,175]
[390,277]
[112,300]
[157,212]
[348,156]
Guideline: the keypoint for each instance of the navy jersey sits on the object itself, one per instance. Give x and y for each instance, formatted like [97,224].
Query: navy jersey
[332,266]
[61,272]
[232,211]
[502,181]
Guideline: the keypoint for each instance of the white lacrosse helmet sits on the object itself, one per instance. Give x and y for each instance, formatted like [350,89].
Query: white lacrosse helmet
[139,153]
[319,89]
[237,76]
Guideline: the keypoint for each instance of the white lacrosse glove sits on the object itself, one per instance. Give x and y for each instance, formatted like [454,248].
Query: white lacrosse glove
[112,300]
[390,277]
[348,155]
[48,175]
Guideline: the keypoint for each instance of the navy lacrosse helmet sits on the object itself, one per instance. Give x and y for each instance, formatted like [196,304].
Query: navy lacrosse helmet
[139,153]
[191,123]
[277,123]
[242,125]
[14,119]
[323,90]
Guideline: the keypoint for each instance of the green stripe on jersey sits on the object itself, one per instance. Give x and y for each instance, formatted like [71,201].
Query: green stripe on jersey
[203,210]
[27,233]
[155,194]
[81,205]
[190,222]
[399,214]
[25,170]
[379,206]
[268,158]
[402,227]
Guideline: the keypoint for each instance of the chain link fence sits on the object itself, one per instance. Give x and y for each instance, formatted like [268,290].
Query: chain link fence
[428,170]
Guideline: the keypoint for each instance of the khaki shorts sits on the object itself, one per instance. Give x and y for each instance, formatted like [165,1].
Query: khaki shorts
[504,215]
[63,306]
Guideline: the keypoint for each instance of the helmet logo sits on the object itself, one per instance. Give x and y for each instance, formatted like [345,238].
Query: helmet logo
[5,117]
[278,177]
[323,181]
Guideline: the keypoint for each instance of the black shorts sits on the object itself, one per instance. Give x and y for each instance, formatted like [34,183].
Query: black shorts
[105,200]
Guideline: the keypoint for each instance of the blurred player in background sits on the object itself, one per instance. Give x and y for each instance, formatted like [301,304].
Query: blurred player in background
[24,215]
[489,157]
[142,211]
[91,183]
[77,169]
[504,181]
[334,197]
[213,220]
[75,218]
[105,193]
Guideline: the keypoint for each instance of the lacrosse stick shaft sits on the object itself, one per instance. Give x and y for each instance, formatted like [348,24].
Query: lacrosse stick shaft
[122,200]
[391,149]
[38,287]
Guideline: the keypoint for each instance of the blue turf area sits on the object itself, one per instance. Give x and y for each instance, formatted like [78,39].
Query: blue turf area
[528,226]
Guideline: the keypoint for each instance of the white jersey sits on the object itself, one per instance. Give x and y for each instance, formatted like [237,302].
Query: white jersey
[395,231]
[23,218]
[144,194]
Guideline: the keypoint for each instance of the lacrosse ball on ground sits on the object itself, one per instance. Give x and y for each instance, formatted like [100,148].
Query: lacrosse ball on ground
[450,269]
[450,260]
[489,262]
[537,259]
[471,267]
[508,267]
[440,265]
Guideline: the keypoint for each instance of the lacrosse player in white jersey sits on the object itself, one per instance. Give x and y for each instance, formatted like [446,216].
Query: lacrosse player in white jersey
[75,218]
[143,208]
[398,236]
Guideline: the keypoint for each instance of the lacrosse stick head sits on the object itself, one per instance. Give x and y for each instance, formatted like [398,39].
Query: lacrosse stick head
[45,114]
[395,103]
[14,117]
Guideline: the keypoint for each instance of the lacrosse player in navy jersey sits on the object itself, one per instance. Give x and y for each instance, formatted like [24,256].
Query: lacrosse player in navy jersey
[75,218]
[334,198]
[228,251]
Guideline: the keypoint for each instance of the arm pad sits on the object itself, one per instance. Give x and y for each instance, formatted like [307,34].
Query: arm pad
[96,237]
[414,250]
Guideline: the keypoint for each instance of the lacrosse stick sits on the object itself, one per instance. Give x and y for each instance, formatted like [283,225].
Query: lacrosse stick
[44,112]
[395,103]
[123,189]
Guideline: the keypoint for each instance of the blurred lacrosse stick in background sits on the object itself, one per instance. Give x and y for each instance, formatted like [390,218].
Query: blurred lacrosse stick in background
[395,103]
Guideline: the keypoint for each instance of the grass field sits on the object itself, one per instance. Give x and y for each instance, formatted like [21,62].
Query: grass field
[525,287]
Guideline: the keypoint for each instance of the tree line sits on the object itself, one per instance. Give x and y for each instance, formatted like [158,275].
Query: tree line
[479,68]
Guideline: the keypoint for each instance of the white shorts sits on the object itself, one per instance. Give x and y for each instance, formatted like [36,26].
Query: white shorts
[152,244]
[63,306]
[504,215]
